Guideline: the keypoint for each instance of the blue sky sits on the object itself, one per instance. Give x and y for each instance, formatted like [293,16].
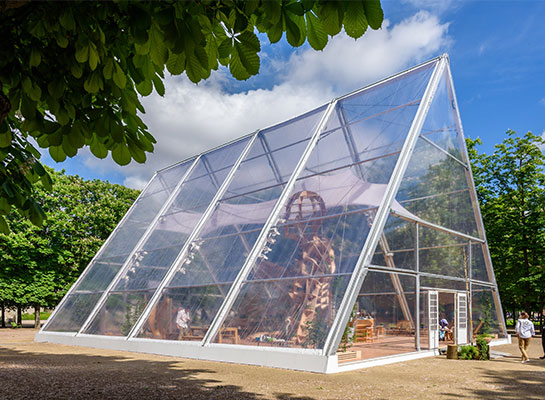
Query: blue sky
[497,56]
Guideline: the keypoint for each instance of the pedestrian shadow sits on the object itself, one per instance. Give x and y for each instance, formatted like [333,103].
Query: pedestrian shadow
[28,375]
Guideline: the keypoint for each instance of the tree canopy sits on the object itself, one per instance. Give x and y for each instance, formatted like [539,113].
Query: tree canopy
[38,264]
[71,74]
[510,184]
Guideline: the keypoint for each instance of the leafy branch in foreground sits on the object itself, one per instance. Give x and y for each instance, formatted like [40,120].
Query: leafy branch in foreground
[71,73]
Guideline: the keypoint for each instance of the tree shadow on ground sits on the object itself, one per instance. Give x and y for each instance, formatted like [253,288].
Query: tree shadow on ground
[31,375]
[525,382]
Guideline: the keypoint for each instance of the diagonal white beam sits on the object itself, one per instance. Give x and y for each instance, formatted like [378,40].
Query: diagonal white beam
[474,200]
[261,240]
[353,288]
[194,235]
[136,248]
[99,253]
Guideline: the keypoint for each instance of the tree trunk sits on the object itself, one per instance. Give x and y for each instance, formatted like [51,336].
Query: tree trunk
[36,316]
[19,316]
[3,315]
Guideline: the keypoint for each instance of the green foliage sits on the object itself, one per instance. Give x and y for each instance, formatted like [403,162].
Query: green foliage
[132,313]
[511,189]
[482,346]
[468,352]
[72,72]
[316,332]
[347,339]
[38,264]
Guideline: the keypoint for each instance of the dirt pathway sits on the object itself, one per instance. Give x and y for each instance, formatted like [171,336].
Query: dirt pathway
[31,370]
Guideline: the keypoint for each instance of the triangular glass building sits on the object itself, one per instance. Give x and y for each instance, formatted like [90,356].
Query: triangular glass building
[346,237]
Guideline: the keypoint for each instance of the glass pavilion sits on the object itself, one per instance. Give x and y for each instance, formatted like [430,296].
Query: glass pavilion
[346,237]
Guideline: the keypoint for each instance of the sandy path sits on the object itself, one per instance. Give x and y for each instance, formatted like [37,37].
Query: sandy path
[31,370]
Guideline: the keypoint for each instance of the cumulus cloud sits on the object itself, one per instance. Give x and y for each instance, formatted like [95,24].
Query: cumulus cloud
[193,118]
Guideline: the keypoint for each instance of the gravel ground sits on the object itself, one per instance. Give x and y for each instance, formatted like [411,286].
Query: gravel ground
[31,370]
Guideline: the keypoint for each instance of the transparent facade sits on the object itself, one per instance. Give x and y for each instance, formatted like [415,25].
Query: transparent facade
[346,232]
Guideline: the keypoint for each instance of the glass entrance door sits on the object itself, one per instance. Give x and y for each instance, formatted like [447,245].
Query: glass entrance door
[433,319]
[461,335]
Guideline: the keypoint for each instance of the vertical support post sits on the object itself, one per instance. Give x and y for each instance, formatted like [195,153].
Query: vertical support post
[469,295]
[136,248]
[194,234]
[98,254]
[335,334]
[417,287]
[215,326]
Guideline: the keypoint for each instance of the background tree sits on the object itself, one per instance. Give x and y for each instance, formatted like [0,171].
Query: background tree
[71,73]
[39,264]
[511,188]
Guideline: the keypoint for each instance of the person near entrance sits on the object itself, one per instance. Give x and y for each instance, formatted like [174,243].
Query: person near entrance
[445,333]
[525,331]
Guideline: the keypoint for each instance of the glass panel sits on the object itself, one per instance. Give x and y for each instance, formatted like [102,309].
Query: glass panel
[441,283]
[183,313]
[286,312]
[435,189]
[100,272]
[396,246]
[485,311]
[447,317]
[231,231]
[153,259]
[99,277]
[383,317]
[119,313]
[479,270]
[442,253]
[424,330]
[327,217]
[73,313]
[440,126]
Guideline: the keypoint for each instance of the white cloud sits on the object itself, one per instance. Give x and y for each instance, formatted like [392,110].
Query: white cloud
[193,118]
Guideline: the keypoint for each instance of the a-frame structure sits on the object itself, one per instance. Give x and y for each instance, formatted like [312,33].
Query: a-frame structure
[346,237]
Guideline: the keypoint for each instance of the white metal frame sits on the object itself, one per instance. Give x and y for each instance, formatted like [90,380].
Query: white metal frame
[324,360]
[107,242]
[99,253]
[433,319]
[136,248]
[462,319]
[194,234]
[343,313]
[476,208]
[234,290]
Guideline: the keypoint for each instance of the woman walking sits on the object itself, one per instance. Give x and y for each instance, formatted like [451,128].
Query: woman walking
[525,330]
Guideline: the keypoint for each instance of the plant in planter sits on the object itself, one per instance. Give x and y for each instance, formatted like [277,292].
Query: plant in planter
[347,339]
[482,346]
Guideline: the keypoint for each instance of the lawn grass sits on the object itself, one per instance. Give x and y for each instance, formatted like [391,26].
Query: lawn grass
[43,315]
